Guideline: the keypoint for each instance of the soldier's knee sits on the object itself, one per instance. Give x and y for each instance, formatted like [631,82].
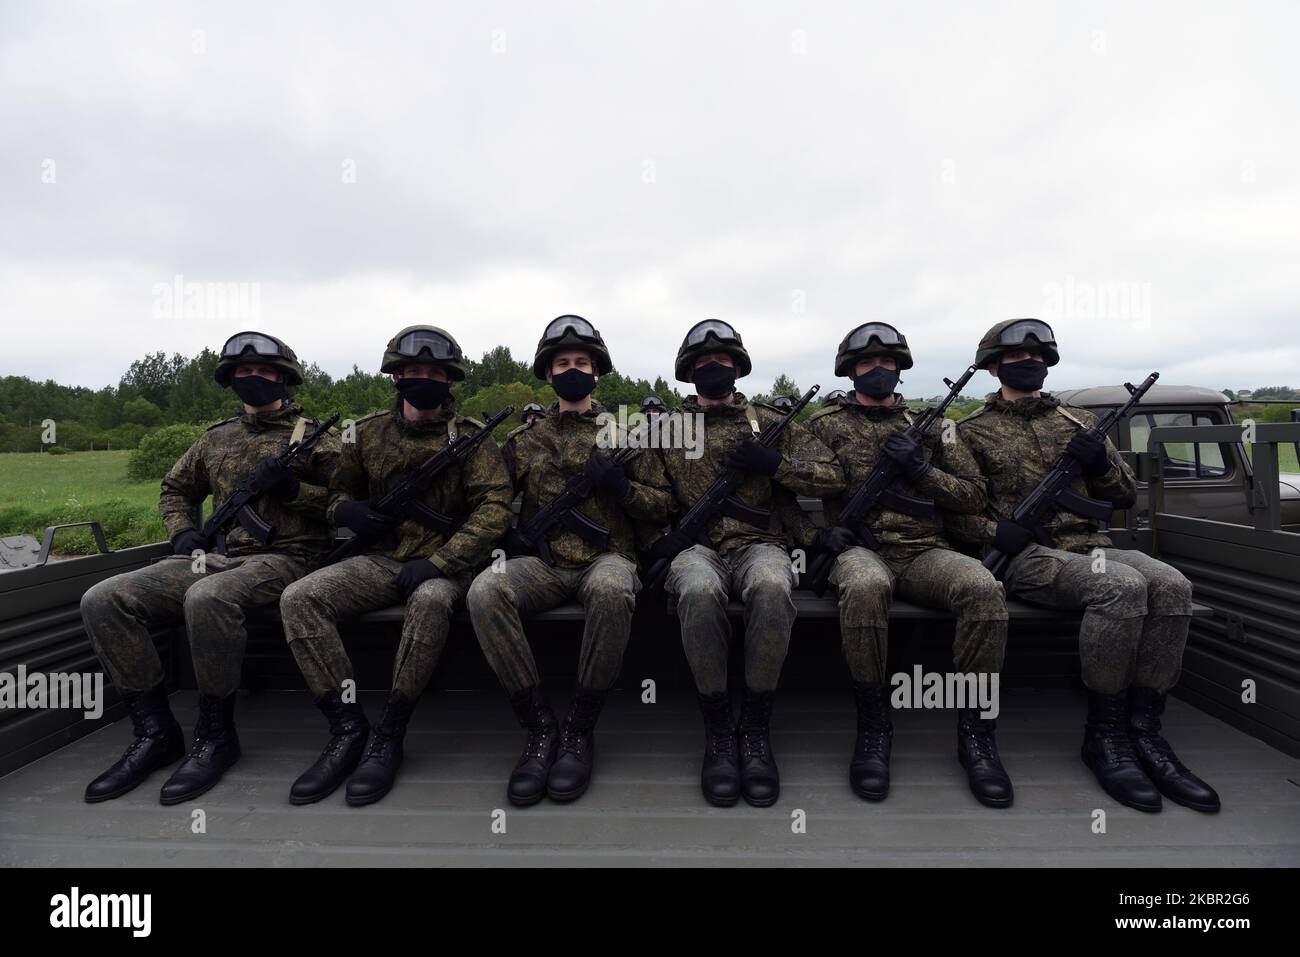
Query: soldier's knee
[1119,592]
[298,599]
[768,584]
[979,592]
[610,586]
[705,588]
[97,599]
[488,588]
[1170,592]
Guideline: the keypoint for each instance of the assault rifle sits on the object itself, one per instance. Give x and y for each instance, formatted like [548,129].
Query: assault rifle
[876,490]
[403,500]
[1054,494]
[718,499]
[238,508]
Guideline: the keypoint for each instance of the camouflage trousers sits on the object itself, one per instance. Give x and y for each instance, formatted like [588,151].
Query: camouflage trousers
[1136,611]
[311,609]
[938,577]
[120,612]
[503,594]
[700,582]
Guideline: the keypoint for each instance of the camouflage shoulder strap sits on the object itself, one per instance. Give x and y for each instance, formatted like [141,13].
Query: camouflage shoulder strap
[1073,418]
[751,413]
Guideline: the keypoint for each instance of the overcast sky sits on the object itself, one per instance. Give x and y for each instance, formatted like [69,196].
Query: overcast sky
[1126,171]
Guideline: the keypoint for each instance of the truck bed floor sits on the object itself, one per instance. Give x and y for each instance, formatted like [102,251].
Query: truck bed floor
[644,806]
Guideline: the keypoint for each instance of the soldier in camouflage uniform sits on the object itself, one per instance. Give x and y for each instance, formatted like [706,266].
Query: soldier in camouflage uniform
[428,568]
[541,456]
[739,559]
[1136,609]
[211,592]
[910,556]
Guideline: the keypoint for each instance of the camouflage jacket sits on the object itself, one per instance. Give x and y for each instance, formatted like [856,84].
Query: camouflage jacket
[474,493]
[1015,444]
[541,456]
[856,433]
[226,454]
[807,468]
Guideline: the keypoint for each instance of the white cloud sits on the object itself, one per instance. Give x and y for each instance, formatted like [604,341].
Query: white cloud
[940,170]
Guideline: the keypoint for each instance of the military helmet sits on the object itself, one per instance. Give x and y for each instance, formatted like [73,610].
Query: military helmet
[1012,334]
[711,335]
[834,396]
[571,332]
[872,339]
[424,344]
[532,408]
[653,401]
[268,350]
[783,402]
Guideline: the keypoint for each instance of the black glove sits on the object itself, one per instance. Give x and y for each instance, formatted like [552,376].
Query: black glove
[755,459]
[908,454]
[1090,453]
[415,573]
[670,544]
[834,539]
[188,542]
[606,475]
[275,479]
[359,517]
[1010,538]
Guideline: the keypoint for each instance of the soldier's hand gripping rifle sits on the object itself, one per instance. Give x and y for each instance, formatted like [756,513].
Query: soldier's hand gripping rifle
[718,499]
[1053,494]
[402,501]
[238,508]
[877,492]
[530,537]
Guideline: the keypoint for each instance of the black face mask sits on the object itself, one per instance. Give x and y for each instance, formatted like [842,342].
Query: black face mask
[713,380]
[878,383]
[1027,375]
[257,391]
[573,385]
[424,394]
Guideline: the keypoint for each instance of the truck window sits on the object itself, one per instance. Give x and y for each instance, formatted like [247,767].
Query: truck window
[1184,460]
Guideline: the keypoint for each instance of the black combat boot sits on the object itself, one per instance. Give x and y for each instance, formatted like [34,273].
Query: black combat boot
[720,777]
[158,742]
[1162,766]
[760,783]
[977,750]
[214,751]
[571,772]
[348,731]
[1112,756]
[869,768]
[528,780]
[377,771]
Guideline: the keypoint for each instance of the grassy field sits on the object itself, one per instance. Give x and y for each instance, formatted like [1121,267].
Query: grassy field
[37,490]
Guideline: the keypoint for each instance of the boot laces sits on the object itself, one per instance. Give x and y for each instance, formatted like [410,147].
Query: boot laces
[753,742]
[536,745]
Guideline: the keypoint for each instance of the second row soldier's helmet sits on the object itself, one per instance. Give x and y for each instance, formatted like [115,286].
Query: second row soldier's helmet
[872,339]
[425,344]
[257,347]
[783,402]
[711,335]
[571,332]
[1012,334]
[533,410]
[652,404]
